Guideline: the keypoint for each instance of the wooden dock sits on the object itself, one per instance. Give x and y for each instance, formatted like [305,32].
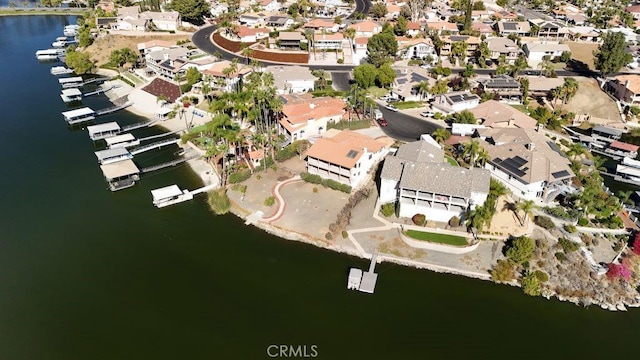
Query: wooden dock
[135,126]
[100,90]
[364,281]
[113,109]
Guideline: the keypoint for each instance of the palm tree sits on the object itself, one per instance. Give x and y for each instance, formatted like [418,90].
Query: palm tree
[472,150]
[526,206]
[441,135]
[598,163]
[247,52]
[497,189]
[423,89]
[349,33]
[459,50]
[570,88]
[575,150]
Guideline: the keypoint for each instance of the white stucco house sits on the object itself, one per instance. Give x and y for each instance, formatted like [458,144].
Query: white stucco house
[536,51]
[420,181]
[306,117]
[344,156]
[456,101]
[292,79]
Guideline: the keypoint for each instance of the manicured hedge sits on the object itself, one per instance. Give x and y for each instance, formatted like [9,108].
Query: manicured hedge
[332,184]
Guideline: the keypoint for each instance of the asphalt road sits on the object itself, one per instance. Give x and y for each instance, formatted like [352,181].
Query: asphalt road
[405,127]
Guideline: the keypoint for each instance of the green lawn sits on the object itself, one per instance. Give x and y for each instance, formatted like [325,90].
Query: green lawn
[134,79]
[521,108]
[377,92]
[451,160]
[403,105]
[437,238]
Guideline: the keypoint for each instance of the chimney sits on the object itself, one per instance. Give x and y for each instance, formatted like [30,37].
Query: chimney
[165,56]
[312,106]
[364,150]
[626,84]
[531,146]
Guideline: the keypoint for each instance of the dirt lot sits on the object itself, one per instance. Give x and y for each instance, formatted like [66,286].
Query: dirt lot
[102,47]
[583,52]
[592,101]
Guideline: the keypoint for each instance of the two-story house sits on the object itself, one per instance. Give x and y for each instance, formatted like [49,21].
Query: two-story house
[366,28]
[420,181]
[625,88]
[305,117]
[505,88]
[454,102]
[501,46]
[448,41]
[519,28]
[344,156]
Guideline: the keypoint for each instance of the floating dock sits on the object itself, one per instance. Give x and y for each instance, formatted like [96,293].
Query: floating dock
[364,281]
[120,175]
[155,145]
[122,141]
[103,131]
[79,115]
[169,195]
[71,82]
[60,70]
[71,95]
[172,194]
[110,156]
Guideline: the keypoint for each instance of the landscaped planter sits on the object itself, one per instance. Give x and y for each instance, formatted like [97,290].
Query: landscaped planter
[423,244]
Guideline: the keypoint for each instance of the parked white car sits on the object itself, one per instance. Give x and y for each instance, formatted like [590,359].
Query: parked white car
[427,114]
[392,108]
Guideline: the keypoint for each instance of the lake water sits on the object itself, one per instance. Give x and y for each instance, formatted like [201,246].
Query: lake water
[90,274]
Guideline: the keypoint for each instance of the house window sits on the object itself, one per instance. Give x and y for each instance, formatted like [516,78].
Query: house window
[370,156]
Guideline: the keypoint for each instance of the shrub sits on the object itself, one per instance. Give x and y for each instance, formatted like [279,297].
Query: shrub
[332,184]
[388,209]
[503,271]
[328,236]
[419,219]
[239,176]
[521,249]
[570,228]
[219,202]
[618,271]
[583,221]
[568,245]
[239,188]
[345,234]
[454,221]
[531,285]
[635,245]
[315,189]
[544,222]
[340,61]
[258,177]
[541,276]
[310,178]
[557,211]
[560,256]
[269,201]
[333,227]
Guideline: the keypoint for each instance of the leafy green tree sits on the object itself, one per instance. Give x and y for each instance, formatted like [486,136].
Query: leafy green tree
[440,87]
[401,26]
[611,55]
[385,75]
[468,19]
[193,76]
[521,249]
[504,271]
[122,56]
[80,62]
[381,48]
[464,117]
[468,71]
[365,75]
[378,10]
[193,11]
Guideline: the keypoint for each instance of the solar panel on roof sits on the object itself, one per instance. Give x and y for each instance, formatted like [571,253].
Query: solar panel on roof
[352,154]
[510,26]
[513,165]
[520,161]
[560,174]
[402,81]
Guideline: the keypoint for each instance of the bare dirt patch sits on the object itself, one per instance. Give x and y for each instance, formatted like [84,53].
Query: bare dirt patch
[591,100]
[583,52]
[102,47]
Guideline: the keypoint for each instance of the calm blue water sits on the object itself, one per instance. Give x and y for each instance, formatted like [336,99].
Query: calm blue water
[90,274]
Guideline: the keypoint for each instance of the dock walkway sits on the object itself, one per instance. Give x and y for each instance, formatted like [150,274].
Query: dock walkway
[152,146]
[113,109]
[169,163]
[135,126]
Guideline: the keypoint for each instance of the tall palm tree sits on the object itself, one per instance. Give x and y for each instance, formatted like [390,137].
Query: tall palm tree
[471,151]
[423,89]
[575,150]
[526,206]
[497,189]
[625,196]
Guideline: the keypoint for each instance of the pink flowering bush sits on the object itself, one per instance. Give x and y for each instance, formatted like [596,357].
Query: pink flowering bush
[636,244]
[618,271]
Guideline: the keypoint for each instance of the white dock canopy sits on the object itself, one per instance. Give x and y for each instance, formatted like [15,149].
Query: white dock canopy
[70,80]
[71,92]
[166,192]
[112,155]
[79,115]
[121,141]
[119,169]
[97,132]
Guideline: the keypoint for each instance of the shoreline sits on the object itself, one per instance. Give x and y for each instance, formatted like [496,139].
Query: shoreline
[205,171]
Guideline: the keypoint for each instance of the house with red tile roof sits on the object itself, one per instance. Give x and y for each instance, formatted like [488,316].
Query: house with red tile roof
[321,24]
[220,77]
[443,26]
[305,116]
[162,88]
[344,156]
[249,35]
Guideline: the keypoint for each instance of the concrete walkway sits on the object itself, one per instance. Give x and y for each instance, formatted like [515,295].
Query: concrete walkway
[281,203]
